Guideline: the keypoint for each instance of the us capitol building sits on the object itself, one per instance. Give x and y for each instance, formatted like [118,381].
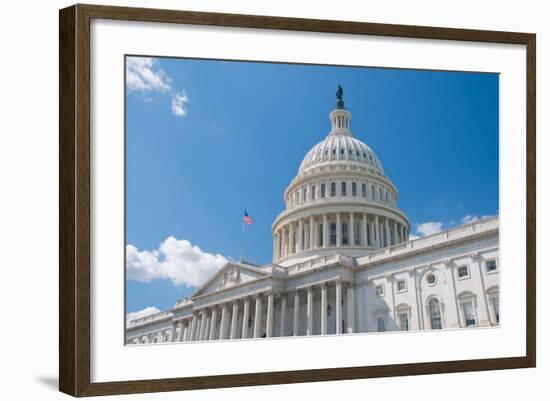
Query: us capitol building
[342,263]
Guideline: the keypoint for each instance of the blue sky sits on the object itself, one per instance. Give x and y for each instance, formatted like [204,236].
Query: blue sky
[206,138]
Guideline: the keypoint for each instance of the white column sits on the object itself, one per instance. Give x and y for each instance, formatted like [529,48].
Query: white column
[291,244]
[185,328]
[338,307]
[300,235]
[351,234]
[377,242]
[193,326]
[223,323]
[284,242]
[455,314]
[269,323]
[234,320]
[309,331]
[324,308]
[181,337]
[283,315]
[338,230]
[365,241]
[172,337]
[213,322]
[202,326]
[351,308]
[388,237]
[483,310]
[246,312]
[325,231]
[207,327]
[258,317]
[395,232]
[311,233]
[296,321]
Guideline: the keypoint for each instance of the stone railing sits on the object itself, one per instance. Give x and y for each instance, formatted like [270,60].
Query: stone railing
[344,260]
[182,302]
[150,318]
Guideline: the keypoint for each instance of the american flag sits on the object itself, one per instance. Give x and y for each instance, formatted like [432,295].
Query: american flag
[247,218]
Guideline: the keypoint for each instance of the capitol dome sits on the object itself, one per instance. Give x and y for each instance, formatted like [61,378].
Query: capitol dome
[338,148]
[340,199]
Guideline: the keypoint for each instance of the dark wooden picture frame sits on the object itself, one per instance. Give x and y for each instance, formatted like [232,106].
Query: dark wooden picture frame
[74,199]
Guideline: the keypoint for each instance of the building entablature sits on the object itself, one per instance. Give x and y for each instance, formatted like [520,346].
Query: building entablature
[339,205]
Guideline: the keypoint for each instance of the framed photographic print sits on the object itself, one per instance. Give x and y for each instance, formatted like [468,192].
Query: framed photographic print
[299,200]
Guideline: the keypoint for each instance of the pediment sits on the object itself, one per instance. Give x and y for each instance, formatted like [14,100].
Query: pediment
[230,275]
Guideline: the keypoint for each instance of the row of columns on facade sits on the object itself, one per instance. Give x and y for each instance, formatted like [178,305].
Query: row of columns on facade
[203,325]
[303,234]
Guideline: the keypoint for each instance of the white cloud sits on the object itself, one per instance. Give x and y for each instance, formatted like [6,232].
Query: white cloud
[179,102]
[429,228]
[176,260]
[413,236]
[143,76]
[150,310]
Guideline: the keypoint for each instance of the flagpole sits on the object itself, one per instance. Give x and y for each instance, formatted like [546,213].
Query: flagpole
[242,241]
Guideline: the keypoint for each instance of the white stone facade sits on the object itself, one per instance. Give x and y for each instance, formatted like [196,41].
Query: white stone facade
[342,263]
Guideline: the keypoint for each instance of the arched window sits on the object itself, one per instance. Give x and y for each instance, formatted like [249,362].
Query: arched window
[333,189]
[467,301]
[313,192]
[434,308]
[364,190]
[322,190]
[381,198]
[304,192]
[345,234]
[353,189]
[372,192]
[343,189]
[332,233]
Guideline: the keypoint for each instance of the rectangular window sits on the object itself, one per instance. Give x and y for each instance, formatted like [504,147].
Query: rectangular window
[404,321]
[381,324]
[381,198]
[322,190]
[380,290]
[364,190]
[469,313]
[372,192]
[491,265]
[401,285]
[313,192]
[333,189]
[305,195]
[463,272]
[354,189]
[343,189]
